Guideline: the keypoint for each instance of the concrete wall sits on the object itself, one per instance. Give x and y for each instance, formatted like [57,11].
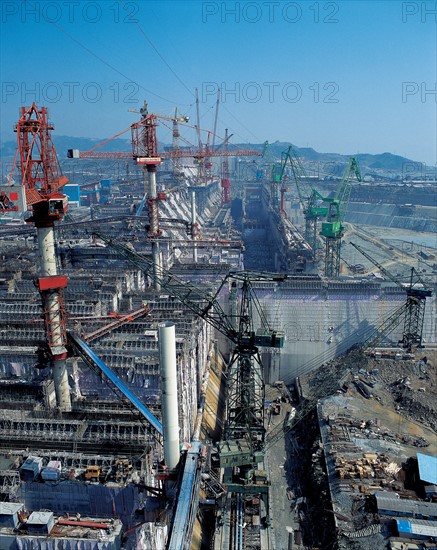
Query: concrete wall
[324,324]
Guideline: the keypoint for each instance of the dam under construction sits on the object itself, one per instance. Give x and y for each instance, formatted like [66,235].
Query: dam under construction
[204,351]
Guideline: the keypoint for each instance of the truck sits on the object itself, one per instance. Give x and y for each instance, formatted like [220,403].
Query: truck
[119,471]
[93,473]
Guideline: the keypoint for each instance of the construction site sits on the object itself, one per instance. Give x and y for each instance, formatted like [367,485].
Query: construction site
[199,356]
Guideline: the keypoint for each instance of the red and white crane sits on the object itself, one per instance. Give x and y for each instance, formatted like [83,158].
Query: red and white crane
[43,181]
[145,152]
[226,182]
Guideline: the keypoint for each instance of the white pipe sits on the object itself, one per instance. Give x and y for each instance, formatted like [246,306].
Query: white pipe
[193,224]
[169,391]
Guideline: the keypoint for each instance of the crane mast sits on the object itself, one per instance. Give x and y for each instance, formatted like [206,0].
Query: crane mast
[226,183]
[268,160]
[145,153]
[43,181]
[308,198]
[245,387]
[333,228]
[176,144]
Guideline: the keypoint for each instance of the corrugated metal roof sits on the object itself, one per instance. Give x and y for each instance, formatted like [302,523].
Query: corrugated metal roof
[407,507]
[417,527]
[33,197]
[427,468]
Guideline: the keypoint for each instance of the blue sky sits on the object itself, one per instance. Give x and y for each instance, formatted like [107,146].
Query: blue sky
[345,76]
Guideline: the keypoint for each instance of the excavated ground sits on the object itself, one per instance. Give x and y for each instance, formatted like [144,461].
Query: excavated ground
[402,395]
[409,386]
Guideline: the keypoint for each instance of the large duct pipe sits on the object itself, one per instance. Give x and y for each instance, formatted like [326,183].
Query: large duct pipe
[169,391]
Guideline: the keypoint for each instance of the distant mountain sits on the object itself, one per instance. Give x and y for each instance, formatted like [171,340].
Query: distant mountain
[384,163]
[63,143]
[7,149]
[368,163]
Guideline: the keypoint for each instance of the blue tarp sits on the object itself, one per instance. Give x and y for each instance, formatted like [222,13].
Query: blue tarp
[427,468]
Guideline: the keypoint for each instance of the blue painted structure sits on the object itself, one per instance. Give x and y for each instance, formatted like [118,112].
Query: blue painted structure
[417,529]
[73,192]
[406,508]
[141,206]
[31,468]
[187,501]
[87,351]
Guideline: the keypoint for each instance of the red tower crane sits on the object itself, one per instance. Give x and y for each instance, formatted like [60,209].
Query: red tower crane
[226,183]
[145,152]
[144,147]
[43,181]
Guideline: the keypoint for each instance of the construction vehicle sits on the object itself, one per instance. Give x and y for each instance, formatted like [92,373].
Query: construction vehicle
[119,471]
[333,228]
[92,473]
[412,311]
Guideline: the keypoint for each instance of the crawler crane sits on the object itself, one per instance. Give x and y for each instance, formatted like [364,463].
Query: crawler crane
[413,310]
[244,434]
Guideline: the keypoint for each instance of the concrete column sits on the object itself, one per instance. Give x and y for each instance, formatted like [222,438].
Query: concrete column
[62,388]
[152,182]
[169,391]
[154,224]
[46,251]
[156,257]
[48,267]
[145,179]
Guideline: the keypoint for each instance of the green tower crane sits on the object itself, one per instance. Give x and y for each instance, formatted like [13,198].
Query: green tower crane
[333,228]
[309,198]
